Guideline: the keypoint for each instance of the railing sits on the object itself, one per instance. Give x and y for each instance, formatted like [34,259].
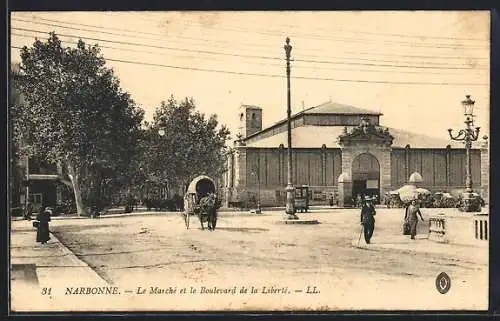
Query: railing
[437,228]
[481,231]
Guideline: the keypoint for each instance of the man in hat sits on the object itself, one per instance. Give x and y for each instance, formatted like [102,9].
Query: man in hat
[368,218]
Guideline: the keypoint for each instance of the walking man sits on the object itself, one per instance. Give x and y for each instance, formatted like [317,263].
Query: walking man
[368,218]
[411,216]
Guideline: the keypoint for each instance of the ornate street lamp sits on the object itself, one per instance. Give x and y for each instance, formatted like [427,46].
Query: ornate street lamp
[467,135]
[290,190]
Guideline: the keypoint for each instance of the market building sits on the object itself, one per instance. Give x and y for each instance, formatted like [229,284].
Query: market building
[342,151]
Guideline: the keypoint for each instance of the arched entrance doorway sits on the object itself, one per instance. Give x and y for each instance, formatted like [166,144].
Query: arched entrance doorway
[365,176]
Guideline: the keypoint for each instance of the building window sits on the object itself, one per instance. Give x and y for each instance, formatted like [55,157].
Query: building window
[36,199]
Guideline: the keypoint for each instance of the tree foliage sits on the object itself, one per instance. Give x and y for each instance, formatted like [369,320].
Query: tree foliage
[15,152]
[75,111]
[192,144]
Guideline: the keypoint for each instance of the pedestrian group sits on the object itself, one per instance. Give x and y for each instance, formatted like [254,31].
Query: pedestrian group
[368,212]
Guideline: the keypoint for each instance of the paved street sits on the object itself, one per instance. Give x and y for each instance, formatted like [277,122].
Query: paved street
[255,250]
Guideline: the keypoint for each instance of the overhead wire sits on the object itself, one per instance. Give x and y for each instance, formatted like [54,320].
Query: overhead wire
[295,77]
[122,35]
[211,41]
[439,66]
[273,32]
[350,39]
[382,34]
[295,66]
[154,46]
[331,38]
[156,36]
[198,57]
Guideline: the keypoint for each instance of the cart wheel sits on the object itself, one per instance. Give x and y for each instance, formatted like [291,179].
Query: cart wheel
[186,220]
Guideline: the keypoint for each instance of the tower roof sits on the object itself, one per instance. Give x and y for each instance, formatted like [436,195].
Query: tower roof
[250,106]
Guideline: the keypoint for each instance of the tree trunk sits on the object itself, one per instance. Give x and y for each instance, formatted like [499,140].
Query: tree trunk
[183,186]
[74,177]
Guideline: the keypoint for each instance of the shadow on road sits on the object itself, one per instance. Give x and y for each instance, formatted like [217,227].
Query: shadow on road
[25,273]
[242,229]
[78,228]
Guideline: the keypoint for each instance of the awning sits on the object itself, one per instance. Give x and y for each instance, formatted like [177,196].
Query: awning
[50,177]
[408,193]
[43,177]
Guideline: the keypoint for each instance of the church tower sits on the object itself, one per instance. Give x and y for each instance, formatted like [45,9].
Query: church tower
[250,120]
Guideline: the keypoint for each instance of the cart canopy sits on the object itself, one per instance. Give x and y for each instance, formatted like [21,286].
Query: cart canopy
[202,186]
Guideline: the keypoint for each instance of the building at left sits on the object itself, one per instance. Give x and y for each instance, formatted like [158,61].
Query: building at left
[39,182]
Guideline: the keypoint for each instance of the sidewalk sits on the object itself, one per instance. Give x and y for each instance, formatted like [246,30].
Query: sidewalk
[36,266]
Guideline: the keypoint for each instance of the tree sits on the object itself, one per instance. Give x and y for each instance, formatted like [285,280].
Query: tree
[192,144]
[75,112]
[15,171]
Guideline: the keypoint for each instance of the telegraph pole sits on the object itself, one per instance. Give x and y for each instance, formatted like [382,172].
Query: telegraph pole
[290,190]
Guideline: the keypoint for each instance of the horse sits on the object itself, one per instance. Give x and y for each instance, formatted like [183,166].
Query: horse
[207,211]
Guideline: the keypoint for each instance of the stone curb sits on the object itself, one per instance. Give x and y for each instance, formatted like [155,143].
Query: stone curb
[75,258]
[222,214]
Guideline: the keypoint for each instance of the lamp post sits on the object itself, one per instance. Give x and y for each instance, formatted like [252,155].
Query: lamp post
[162,132]
[467,135]
[290,190]
[256,174]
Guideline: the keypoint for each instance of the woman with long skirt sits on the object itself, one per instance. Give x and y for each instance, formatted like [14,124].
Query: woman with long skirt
[42,232]
[411,216]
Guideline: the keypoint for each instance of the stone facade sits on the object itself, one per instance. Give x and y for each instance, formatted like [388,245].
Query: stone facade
[326,145]
[239,186]
[250,120]
[485,171]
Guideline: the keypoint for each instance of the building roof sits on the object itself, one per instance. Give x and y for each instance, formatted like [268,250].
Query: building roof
[322,109]
[316,136]
[337,108]
[251,106]
[303,137]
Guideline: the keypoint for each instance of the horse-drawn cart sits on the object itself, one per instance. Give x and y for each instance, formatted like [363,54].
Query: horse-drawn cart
[201,200]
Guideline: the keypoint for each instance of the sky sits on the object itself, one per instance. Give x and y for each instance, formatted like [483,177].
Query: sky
[415,67]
